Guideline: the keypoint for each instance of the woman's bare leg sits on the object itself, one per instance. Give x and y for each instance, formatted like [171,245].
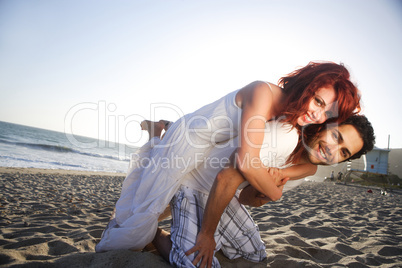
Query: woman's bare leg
[161,241]
[154,129]
[166,213]
[167,125]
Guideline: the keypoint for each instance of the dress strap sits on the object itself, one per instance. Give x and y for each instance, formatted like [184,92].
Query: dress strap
[268,85]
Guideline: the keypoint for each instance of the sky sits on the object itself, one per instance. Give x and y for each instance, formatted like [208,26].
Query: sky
[97,68]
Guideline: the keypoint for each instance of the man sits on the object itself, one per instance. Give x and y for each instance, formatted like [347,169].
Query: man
[340,176]
[237,234]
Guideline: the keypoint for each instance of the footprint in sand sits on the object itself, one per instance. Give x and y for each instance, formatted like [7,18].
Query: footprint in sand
[390,251]
[26,243]
[314,233]
[349,251]
[60,248]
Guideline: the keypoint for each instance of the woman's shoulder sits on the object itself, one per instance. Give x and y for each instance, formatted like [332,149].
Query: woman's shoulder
[256,85]
[274,87]
[255,90]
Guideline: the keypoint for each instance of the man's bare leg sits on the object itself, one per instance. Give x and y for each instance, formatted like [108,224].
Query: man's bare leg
[162,243]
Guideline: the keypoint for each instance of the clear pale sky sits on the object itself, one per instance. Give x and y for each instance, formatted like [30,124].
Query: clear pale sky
[97,68]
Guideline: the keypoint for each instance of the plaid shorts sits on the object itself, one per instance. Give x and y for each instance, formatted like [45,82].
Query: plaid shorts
[236,235]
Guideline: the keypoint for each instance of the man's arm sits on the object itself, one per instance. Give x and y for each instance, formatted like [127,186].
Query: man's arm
[251,197]
[222,192]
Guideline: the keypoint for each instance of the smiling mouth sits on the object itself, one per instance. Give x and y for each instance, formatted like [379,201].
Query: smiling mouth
[322,152]
[307,119]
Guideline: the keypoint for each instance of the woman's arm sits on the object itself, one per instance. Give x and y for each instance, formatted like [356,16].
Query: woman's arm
[299,171]
[259,104]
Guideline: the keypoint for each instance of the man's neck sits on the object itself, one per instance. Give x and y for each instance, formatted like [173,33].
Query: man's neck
[303,160]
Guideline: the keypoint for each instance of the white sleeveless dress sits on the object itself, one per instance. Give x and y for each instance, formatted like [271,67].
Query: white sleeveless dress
[160,167]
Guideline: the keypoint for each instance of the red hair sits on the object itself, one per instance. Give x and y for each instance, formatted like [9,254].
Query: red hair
[301,86]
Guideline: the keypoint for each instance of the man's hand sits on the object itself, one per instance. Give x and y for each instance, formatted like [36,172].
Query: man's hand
[205,245]
[251,197]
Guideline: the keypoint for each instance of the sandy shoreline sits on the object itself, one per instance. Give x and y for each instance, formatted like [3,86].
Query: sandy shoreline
[54,218]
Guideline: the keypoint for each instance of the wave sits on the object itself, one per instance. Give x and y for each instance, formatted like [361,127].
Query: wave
[10,161]
[65,165]
[46,147]
[62,149]
[127,158]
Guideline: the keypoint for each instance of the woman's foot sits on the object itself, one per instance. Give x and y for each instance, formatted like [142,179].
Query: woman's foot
[166,123]
[154,129]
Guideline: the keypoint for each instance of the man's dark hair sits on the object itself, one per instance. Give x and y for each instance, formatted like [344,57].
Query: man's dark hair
[366,132]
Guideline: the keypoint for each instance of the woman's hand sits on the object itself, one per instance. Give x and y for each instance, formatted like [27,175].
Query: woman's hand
[205,245]
[277,175]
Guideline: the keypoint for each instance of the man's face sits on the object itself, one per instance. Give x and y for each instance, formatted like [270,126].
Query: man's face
[335,145]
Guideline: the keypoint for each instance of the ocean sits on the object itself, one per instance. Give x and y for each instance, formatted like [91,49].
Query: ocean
[29,147]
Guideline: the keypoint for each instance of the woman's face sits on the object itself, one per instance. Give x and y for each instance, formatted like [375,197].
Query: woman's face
[320,107]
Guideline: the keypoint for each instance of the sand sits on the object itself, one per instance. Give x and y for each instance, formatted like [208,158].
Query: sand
[54,218]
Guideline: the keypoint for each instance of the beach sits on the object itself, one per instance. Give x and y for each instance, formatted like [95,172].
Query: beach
[54,218]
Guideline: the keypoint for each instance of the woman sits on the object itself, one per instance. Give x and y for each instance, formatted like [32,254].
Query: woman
[307,96]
